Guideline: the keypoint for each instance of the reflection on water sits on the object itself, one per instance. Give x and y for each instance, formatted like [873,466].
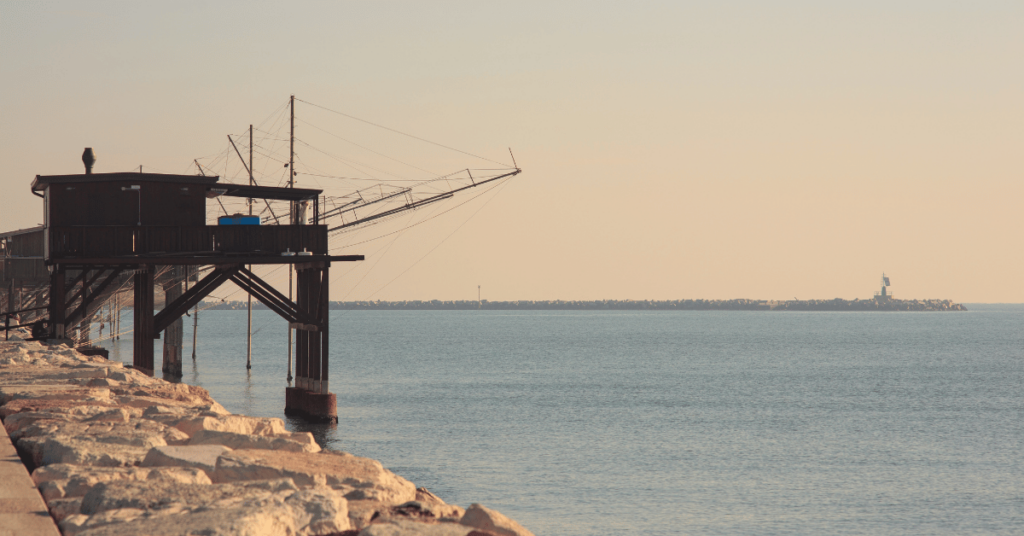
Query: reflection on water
[323,433]
[248,402]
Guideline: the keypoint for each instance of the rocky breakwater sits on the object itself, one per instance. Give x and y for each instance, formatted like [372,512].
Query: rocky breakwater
[115,452]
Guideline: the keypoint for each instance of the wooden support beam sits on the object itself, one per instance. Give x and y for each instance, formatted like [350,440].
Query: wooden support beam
[143,336]
[58,306]
[313,345]
[282,307]
[267,293]
[174,332]
[74,284]
[323,315]
[192,297]
[83,312]
[302,338]
[270,290]
[87,284]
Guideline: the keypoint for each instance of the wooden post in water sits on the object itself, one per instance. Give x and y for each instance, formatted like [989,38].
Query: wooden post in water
[311,397]
[195,328]
[143,335]
[174,334]
[248,330]
[291,218]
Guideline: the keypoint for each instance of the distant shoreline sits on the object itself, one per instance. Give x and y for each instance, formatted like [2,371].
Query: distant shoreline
[836,304]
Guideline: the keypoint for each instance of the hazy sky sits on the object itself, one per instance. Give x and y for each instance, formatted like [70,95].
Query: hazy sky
[764,150]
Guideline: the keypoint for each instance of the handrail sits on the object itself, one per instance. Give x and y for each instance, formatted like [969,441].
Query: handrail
[24,310]
[116,241]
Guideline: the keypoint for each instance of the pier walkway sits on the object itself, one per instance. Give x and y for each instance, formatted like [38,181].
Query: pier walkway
[22,510]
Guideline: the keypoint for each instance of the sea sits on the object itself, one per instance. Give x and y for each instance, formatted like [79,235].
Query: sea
[579,423]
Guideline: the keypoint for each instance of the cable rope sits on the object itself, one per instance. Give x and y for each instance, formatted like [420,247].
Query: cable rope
[402,133]
[347,162]
[378,259]
[425,255]
[349,229]
[368,149]
[303,162]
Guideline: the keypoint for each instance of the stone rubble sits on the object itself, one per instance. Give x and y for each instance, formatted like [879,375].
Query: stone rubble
[116,452]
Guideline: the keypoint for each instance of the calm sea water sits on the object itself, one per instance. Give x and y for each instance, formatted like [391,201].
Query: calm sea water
[583,423]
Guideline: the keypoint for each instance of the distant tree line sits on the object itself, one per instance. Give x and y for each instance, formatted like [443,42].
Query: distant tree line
[836,304]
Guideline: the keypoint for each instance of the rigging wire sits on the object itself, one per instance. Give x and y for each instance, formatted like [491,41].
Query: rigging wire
[402,133]
[367,148]
[352,164]
[411,226]
[272,140]
[368,270]
[439,244]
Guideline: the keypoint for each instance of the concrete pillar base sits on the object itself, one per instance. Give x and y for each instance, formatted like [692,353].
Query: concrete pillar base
[172,361]
[175,333]
[310,406]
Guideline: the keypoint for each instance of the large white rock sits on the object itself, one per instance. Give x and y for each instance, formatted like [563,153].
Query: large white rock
[38,355]
[61,480]
[160,495]
[267,507]
[283,442]
[238,424]
[358,478]
[103,451]
[132,376]
[16,422]
[480,517]
[39,405]
[119,415]
[42,390]
[173,415]
[62,508]
[241,521]
[202,457]
[143,402]
[136,433]
[174,393]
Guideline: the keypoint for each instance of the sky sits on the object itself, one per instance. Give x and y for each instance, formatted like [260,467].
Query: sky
[670,150]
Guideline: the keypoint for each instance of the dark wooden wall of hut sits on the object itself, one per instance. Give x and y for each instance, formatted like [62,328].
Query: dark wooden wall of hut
[105,203]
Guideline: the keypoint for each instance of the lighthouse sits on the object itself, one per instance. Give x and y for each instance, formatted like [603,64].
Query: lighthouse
[883,295]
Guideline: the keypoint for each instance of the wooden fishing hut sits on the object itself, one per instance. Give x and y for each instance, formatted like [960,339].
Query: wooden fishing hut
[24,280]
[102,228]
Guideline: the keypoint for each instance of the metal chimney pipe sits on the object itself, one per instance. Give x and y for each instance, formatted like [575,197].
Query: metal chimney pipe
[88,159]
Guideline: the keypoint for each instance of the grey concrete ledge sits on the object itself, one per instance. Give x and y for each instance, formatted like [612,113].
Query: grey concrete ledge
[22,510]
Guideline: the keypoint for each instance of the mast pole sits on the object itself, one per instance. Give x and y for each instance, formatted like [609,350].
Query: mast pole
[195,331]
[291,219]
[248,331]
[195,314]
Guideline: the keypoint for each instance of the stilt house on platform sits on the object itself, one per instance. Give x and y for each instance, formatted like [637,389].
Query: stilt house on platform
[24,280]
[106,232]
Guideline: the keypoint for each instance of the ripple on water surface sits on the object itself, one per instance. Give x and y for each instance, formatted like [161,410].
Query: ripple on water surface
[580,423]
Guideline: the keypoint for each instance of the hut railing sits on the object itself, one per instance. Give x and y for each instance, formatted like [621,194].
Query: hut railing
[120,241]
[31,270]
